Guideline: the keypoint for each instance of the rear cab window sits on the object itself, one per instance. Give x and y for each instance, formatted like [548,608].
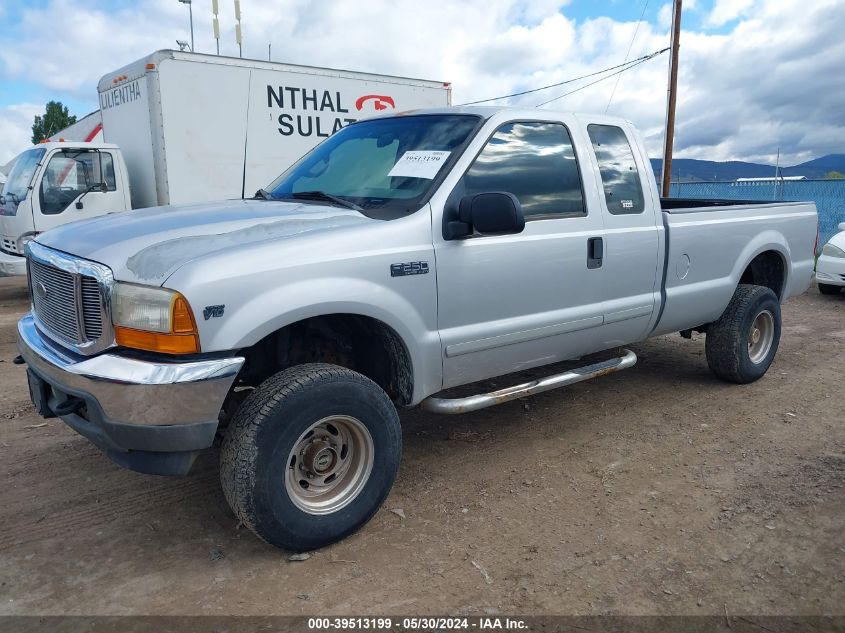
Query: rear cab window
[623,192]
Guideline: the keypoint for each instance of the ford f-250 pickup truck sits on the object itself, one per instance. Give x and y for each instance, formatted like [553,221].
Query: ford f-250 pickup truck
[401,257]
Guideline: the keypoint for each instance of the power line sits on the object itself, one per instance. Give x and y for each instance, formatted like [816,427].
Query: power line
[568,81]
[628,52]
[633,63]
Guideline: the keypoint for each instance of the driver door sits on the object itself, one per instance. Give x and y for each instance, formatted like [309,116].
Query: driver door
[72,178]
[507,303]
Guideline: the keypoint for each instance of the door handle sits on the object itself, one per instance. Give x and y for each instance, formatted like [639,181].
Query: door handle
[595,252]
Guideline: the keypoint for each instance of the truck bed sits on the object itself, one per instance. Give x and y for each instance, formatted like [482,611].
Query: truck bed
[709,244]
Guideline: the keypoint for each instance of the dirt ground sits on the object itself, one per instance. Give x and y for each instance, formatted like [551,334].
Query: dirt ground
[659,490]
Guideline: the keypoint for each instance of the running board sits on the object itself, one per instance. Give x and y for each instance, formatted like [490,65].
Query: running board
[483,400]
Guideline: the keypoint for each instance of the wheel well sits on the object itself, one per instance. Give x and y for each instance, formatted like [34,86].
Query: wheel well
[360,343]
[767,269]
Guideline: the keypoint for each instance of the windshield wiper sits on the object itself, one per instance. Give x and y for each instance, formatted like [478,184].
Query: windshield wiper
[322,195]
[263,193]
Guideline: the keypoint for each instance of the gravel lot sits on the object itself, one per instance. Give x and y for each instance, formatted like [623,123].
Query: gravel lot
[659,490]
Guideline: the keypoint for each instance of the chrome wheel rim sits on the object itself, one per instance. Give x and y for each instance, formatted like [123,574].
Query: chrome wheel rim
[760,337]
[329,464]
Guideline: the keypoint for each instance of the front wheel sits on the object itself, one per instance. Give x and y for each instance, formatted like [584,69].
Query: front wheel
[829,289]
[742,343]
[311,455]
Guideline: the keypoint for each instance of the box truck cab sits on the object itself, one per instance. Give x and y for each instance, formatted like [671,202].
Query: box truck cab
[56,183]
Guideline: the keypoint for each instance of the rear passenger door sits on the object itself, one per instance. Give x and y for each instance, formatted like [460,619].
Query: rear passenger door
[510,302]
[632,226]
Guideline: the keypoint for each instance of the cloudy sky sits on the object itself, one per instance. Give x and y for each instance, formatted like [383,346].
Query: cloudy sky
[755,75]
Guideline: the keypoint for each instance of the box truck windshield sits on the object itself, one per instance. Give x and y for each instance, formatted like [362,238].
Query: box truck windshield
[17,185]
[387,164]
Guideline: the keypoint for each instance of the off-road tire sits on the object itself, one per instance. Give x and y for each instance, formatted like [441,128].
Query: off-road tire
[264,431]
[727,342]
[829,289]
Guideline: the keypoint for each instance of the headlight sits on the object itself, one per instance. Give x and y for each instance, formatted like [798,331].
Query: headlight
[154,319]
[832,251]
[25,239]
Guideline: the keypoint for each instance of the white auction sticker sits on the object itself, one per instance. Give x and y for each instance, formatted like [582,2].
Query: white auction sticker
[419,164]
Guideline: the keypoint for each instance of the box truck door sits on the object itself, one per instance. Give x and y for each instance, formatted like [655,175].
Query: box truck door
[76,184]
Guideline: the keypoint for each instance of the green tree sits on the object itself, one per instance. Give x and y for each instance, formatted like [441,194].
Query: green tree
[834,175]
[55,119]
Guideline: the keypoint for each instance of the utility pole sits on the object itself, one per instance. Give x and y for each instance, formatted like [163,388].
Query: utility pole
[669,137]
[191,14]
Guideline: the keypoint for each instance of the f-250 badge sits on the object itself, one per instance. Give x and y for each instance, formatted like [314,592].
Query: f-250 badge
[408,268]
[213,311]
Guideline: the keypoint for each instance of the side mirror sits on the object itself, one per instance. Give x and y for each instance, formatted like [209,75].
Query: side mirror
[100,186]
[490,213]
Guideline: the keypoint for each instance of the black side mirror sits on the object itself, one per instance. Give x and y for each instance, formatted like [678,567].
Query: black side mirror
[490,213]
[100,186]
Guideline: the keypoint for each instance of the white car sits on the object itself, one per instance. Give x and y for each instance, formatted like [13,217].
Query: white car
[830,269]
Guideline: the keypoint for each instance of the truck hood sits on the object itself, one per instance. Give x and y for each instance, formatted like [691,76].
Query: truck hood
[148,245]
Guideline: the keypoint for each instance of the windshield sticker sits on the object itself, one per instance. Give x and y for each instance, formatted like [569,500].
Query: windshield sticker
[419,164]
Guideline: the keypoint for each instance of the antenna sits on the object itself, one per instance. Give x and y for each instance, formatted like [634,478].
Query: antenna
[216,24]
[238,28]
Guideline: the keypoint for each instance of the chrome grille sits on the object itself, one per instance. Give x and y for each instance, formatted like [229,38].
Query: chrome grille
[92,319]
[71,299]
[54,300]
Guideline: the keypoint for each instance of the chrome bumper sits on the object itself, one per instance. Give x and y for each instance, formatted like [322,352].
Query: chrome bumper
[131,391]
[12,265]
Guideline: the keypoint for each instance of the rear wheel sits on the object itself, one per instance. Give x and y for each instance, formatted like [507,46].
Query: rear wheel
[310,456]
[742,343]
[829,289]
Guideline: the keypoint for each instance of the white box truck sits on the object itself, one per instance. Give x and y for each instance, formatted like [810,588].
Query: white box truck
[182,127]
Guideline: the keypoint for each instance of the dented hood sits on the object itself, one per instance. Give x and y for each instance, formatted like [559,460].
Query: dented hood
[148,245]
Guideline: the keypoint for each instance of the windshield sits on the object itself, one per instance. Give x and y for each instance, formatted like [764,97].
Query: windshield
[17,184]
[385,165]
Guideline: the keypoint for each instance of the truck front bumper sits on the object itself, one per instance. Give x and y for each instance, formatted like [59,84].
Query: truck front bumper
[153,417]
[830,270]
[12,265]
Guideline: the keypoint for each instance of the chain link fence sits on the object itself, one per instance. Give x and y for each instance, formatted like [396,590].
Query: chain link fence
[829,196]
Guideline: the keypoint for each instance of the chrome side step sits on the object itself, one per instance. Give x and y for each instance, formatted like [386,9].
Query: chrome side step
[483,400]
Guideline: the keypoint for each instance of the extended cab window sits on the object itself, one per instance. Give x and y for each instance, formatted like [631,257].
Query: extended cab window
[623,191]
[535,162]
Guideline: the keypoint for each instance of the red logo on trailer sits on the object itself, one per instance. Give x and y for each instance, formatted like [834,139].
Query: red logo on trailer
[380,102]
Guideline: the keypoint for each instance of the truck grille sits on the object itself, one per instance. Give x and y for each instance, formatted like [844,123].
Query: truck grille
[67,304]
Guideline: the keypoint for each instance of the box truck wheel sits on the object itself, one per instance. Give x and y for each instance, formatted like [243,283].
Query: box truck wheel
[742,343]
[311,455]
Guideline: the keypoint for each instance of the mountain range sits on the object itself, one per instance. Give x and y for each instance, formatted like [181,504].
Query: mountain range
[692,170]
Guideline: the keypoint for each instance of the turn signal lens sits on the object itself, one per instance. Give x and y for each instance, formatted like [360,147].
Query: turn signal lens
[157,342]
[182,321]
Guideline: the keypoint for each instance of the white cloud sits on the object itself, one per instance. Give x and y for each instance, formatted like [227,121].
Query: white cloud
[726,10]
[16,129]
[771,80]
[664,16]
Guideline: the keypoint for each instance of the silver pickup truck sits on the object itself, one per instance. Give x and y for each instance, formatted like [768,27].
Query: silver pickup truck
[403,256]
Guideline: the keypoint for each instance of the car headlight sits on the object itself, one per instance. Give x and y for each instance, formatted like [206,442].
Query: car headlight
[153,319]
[25,239]
[832,251]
